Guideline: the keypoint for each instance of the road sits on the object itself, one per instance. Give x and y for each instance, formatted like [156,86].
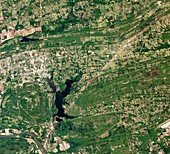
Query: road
[33,136]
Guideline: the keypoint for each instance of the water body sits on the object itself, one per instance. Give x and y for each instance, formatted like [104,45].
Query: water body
[60,95]
[26,39]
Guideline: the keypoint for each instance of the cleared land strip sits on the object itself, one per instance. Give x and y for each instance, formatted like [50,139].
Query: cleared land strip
[95,115]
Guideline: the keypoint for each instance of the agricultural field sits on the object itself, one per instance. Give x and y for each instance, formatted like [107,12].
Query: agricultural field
[119,50]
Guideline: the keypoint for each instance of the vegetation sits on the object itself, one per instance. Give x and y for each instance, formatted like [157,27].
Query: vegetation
[122,98]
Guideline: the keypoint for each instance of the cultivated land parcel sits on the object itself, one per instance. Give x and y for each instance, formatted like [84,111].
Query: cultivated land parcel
[121,102]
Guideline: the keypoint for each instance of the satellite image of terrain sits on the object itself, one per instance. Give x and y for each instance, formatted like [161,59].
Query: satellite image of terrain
[84,77]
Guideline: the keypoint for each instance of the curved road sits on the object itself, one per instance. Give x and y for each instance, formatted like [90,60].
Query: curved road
[40,146]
